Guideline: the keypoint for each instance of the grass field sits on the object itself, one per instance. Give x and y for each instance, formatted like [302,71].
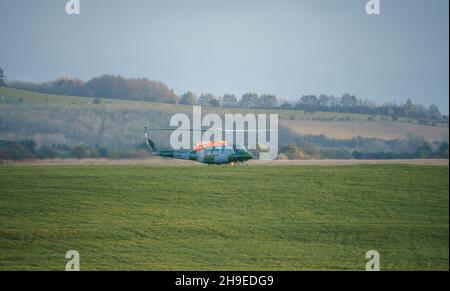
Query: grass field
[215,218]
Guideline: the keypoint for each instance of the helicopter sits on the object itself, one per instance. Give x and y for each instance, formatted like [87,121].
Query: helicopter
[210,152]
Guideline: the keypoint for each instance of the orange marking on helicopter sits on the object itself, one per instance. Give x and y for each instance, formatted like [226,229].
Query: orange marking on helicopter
[212,143]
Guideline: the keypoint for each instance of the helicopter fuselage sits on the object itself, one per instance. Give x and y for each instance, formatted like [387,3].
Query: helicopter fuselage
[210,155]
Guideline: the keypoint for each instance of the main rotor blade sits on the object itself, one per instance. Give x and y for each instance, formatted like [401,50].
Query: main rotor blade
[169,129]
[247,130]
[213,129]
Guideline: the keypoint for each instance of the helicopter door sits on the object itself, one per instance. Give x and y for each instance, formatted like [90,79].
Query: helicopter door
[222,156]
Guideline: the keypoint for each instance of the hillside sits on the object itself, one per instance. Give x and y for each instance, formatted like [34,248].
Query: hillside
[12,96]
[55,119]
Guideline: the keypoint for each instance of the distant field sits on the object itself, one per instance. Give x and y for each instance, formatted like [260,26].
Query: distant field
[220,217]
[385,130]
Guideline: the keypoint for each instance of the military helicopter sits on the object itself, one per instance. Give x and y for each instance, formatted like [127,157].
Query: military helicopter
[211,152]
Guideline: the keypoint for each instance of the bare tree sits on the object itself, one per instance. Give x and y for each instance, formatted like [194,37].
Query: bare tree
[2,78]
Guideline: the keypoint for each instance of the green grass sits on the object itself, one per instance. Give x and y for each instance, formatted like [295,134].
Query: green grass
[221,217]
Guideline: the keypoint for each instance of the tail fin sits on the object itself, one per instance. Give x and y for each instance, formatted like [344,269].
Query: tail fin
[148,142]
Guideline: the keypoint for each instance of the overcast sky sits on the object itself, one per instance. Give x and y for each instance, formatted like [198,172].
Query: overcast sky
[287,48]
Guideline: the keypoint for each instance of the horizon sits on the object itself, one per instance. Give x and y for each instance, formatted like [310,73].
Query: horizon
[286,48]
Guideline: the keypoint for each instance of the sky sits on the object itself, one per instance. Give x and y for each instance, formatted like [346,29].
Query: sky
[283,47]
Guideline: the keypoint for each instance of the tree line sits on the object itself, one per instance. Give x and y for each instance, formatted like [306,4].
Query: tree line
[427,150]
[347,103]
[106,86]
[28,150]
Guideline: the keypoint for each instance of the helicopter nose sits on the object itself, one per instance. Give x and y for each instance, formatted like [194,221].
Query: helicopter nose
[250,156]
